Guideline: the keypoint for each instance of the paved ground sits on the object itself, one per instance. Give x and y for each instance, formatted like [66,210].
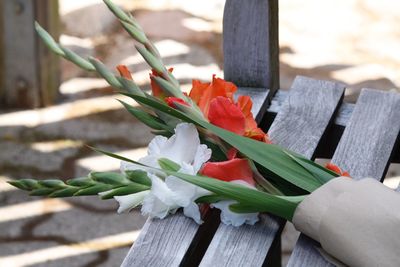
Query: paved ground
[354,42]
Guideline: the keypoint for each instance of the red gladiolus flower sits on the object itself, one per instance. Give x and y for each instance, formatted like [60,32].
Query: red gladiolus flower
[124,72]
[155,88]
[335,168]
[225,114]
[251,128]
[203,93]
[230,170]
[172,100]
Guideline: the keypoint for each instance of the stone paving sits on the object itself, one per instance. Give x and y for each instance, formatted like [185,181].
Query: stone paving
[50,142]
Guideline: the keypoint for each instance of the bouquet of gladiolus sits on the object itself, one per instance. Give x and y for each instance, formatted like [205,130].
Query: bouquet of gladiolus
[208,150]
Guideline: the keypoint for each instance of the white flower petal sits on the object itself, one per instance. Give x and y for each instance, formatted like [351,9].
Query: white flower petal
[229,217]
[182,146]
[159,202]
[156,145]
[183,192]
[203,154]
[193,211]
[128,202]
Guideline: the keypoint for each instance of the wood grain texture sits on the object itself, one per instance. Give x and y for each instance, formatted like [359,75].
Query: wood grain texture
[30,72]
[176,239]
[341,119]
[310,104]
[48,63]
[364,150]
[243,246]
[248,246]
[251,47]
[368,140]
[162,242]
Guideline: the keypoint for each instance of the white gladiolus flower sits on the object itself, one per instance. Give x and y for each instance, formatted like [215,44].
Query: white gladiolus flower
[128,202]
[167,196]
[229,217]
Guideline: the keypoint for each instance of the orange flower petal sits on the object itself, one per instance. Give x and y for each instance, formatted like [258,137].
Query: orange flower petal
[124,72]
[230,170]
[155,88]
[335,168]
[197,91]
[203,93]
[227,115]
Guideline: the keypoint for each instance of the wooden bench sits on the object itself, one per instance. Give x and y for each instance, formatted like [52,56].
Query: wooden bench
[310,119]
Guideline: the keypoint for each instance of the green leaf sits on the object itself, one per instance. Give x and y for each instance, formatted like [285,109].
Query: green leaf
[25,184]
[125,190]
[110,178]
[154,62]
[210,199]
[168,165]
[149,120]
[322,174]
[136,33]
[80,182]
[264,183]
[168,88]
[94,189]
[76,59]
[105,73]
[118,12]
[66,192]
[161,107]
[52,183]
[48,40]
[41,191]
[130,86]
[138,176]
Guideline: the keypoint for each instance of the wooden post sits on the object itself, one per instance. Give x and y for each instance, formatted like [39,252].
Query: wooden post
[29,72]
[251,45]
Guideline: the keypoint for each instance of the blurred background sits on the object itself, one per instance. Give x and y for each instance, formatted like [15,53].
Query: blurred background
[44,129]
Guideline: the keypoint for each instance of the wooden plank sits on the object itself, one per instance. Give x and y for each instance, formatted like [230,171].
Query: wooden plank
[364,150]
[251,47]
[26,85]
[46,13]
[178,239]
[368,141]
[298,126]
[162,242]
[311,104]
[341,119]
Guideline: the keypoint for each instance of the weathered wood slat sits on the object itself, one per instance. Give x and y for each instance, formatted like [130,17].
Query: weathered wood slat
[370,136]
[299,126]
[171,241]
[29,72]
[311,104]
[342,117]
[162,242]
[251,48]
[364,150]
